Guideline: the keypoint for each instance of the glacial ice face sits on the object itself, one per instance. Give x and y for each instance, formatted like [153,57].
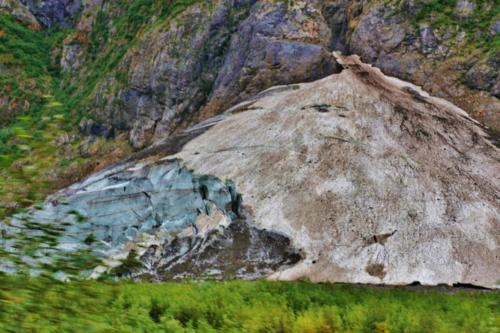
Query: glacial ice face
[145,219]
[111,209]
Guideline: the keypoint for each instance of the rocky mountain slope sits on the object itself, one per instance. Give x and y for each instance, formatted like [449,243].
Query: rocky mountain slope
[221,52]
[353,177]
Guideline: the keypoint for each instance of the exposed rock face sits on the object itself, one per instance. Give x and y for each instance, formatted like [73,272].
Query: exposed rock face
[19,12]
[51,12]
[484,75]
[370,179]
[71,57]
[214,57]
[465,8]
[173,71]
[221,54]
[382,36]
[277,44]
[88,14]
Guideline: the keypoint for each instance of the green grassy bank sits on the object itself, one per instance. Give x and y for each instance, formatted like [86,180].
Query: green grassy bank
[39,305]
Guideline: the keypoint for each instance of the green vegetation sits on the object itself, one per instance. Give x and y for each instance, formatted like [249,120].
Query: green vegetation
[442,14]
[41,305]
[39,153]
[33,247]
[27,147]
[24,55]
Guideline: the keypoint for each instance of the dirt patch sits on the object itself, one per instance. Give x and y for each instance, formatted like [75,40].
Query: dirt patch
[377,270]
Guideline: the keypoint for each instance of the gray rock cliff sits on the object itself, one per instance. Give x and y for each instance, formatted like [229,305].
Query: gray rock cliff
[220,54]
[52,12]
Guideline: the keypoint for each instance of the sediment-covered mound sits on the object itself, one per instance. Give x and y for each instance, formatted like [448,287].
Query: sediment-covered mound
[376,181]
[357,177]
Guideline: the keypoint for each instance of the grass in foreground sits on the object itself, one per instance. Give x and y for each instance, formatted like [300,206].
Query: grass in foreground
[40,305]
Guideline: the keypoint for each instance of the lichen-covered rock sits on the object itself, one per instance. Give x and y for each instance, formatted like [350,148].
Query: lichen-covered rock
[71,57]
[379,33]
[495,28]
[88,14]
[429,40]
[413,7]
[465,8]
[485,75]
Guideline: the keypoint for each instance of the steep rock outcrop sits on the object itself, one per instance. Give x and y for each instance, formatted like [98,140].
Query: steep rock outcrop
[435,58]
[173,70]
[52,12]
[204,59]
[215,56]
[277,44]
